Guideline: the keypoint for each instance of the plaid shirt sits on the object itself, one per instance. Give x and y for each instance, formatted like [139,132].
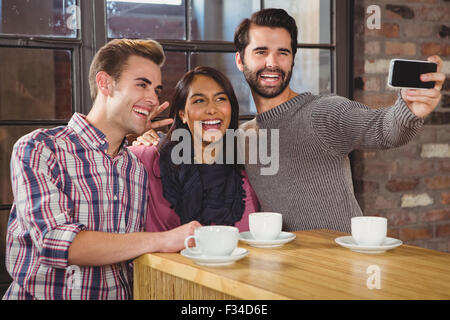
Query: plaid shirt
[64,182]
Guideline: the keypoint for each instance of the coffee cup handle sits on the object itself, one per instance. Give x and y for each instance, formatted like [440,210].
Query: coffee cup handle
[186,245]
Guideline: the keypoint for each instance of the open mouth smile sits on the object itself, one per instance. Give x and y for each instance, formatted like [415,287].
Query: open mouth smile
[213,124]
[141,111]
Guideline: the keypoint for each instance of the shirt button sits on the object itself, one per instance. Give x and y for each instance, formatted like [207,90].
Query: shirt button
[115,197]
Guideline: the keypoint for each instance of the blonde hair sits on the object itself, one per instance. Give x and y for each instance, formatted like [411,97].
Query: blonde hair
[112,58]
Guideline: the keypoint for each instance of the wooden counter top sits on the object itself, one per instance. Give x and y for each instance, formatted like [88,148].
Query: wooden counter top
[312,266]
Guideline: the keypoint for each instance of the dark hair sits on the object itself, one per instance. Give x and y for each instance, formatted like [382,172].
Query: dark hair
[181,94]
[274,18]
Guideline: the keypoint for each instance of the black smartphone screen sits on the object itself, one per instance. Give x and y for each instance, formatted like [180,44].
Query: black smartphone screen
[406,74]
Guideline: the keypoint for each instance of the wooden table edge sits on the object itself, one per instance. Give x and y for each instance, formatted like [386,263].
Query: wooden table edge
[210,280]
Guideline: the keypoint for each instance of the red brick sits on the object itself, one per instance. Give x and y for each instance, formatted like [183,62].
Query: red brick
[387,30]
[401,218]
[411,167]
[372,47]
[398,185]
[393,233]
[367,154]
[444,165]
[370,169]
[423,1]
[445,197]
[437,245]
[443,230]
[410,150]
[372,84]
[415,233]
[400,48]
[432,13]
[361,186]
[384,203]
[441,49]
[438,182]
[417,30]
[443,134]
[436,215]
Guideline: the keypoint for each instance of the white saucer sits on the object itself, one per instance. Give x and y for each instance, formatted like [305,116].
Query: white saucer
[283,238]
[215,261]
[349,242]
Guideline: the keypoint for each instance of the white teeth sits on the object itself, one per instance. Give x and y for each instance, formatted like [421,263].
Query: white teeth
[270,76]
[212,122]
[141,111]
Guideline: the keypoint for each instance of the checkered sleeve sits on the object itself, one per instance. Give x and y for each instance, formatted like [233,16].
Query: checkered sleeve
[43,207]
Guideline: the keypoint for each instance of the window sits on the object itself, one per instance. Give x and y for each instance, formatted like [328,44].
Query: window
[40,47]
[35,84]
[37,17]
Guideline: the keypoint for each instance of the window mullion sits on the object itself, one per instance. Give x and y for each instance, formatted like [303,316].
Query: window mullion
[344,52]
[93,30]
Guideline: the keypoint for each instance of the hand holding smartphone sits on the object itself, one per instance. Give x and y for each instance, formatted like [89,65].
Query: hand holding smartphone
[406,74]
[421,97]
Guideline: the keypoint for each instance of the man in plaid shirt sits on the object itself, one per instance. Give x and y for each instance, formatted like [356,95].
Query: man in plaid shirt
[80,196]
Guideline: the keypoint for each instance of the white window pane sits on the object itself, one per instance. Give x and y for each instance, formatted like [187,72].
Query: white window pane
[156,19]
[312,71]
[313,18]
[40,17]
[218,19]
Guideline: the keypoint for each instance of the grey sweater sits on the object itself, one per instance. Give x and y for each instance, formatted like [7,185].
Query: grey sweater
[313,188]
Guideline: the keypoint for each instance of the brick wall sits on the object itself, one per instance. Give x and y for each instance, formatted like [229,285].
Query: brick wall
[408,185]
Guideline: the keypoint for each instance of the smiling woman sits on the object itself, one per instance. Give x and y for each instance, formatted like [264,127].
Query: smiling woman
[207,105]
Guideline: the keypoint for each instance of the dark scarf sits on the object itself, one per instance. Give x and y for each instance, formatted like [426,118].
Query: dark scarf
[210,194]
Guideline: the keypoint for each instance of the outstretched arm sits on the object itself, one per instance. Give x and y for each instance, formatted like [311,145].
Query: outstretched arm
[91,248]
[343,125]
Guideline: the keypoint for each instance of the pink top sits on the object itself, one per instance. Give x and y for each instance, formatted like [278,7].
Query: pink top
[160,217]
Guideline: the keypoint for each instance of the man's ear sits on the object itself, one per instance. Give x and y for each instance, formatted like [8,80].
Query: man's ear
[104,83]
[239,63]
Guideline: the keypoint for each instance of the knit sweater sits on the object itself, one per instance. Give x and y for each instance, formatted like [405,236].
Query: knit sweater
[313,187]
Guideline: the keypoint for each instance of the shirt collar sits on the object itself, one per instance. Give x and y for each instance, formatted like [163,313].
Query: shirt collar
[88,132]
[91,134]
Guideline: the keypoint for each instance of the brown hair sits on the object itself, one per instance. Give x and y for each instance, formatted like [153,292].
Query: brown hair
[112,58]
[273,18]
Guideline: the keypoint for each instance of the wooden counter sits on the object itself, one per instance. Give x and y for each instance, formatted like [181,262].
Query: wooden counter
[312,266]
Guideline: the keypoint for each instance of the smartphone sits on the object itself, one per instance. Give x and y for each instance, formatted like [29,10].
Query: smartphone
[406,73]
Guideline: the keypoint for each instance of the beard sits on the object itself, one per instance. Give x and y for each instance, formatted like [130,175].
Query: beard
[267,91]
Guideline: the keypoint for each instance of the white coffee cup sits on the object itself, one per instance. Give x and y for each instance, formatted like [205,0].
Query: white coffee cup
[265,225]
[214,240]
[369,231]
